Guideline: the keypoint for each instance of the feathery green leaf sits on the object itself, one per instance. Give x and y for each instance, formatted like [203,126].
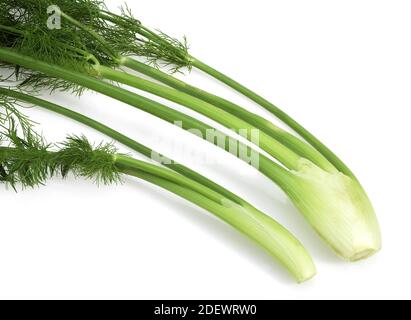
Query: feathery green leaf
[30,161]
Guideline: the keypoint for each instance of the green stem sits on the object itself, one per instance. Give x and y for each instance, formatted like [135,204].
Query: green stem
[11,30]
[107,89]
[269,168]
[267,143]
[108,50]
[121,138]
[261,123]
[267,128]
[310,138]
[128,162]
[257,226]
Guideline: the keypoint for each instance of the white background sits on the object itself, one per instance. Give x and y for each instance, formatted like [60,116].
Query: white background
[342,68]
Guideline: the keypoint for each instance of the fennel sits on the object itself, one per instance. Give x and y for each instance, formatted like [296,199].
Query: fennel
[337,224]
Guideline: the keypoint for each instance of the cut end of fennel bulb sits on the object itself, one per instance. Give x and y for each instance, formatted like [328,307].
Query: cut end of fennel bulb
[338,209]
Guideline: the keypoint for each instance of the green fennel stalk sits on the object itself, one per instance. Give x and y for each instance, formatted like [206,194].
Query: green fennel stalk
[30,162]
[98,126]
[154,48]
[276,149]
[268,167]
[158,46]
[268,143]
[270,140]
